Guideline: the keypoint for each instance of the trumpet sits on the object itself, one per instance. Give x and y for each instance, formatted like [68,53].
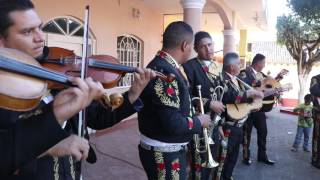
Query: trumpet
[217,95]
[247,86]
[209,163]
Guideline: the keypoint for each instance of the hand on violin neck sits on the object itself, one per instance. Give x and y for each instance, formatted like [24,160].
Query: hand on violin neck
[96,90]
[72,100]
[141,79]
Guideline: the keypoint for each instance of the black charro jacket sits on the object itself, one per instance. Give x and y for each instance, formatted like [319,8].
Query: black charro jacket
[167,114]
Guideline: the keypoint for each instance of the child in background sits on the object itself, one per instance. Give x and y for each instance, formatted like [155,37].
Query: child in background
[305,123]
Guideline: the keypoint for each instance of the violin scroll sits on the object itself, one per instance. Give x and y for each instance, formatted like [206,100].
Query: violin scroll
[114,100]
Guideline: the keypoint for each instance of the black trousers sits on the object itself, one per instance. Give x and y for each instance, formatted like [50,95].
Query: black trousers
[258,120]
[316,142]
[234,141]
[164,166]
[198,172]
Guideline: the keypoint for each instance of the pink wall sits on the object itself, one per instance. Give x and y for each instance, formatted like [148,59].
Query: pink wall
[109,19]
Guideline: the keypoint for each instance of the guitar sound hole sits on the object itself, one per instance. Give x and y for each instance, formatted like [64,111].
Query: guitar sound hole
[268,86]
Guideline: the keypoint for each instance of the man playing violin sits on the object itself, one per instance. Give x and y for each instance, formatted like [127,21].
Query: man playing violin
[198,71]
[253,75]
[315,91]
[236,93]
[40,145]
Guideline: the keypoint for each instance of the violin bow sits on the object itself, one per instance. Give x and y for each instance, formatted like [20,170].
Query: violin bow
[84,69]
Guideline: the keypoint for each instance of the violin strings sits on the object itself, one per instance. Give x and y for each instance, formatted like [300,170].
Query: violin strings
[28,69]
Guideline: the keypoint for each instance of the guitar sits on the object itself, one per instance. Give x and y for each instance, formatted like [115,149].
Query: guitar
[241,110]
[271,86]
[280,75]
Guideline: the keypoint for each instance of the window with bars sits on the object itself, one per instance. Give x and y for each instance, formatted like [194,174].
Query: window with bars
[129,50]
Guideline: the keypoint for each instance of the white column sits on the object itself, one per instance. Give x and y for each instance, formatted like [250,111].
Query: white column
[229,43]
[192,12]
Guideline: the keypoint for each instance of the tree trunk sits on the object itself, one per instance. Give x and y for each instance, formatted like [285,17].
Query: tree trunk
[302,83]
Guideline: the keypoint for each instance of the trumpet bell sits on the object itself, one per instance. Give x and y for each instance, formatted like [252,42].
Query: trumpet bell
[210,141]
[210,164]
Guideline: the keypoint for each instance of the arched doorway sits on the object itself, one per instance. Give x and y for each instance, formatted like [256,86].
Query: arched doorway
[67,32]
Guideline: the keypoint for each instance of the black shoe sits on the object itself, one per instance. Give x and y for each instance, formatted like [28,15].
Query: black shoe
[247,162]
[266,161]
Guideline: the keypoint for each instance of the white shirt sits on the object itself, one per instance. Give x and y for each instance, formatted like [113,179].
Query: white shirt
[207,62]
[254,71]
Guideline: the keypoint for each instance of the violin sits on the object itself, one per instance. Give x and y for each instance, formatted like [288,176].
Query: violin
[103,68]
[17,91]
[24,81]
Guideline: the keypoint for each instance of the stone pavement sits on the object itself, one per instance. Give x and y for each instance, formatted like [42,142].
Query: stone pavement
[118,156]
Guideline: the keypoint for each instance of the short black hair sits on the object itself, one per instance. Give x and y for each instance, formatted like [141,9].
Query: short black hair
[6,7]
[258,58]
[176,33]
[199,36]
[308,98]
[228,59]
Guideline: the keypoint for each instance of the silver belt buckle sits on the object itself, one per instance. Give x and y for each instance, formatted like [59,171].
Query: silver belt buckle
[169,148]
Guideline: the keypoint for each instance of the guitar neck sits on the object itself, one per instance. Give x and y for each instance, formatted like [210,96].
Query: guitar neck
[273,91]
[270,92]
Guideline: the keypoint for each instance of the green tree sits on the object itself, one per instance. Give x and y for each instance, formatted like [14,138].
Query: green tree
[300,33]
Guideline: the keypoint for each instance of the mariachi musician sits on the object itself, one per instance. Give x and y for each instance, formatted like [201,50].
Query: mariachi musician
[202,70]
[238,92]
[253,75]
[20,29]
[315,91]
[167,122]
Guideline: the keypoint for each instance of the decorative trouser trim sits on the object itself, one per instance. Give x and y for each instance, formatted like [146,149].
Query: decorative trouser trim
[161,169]
[223,154]
[197,165]
[72,169]
[175,169]
[195,162]
[56,168]
[163,165]
[245,141]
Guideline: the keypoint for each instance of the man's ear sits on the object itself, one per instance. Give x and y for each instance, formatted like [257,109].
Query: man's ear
[184,46]
[231,67]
